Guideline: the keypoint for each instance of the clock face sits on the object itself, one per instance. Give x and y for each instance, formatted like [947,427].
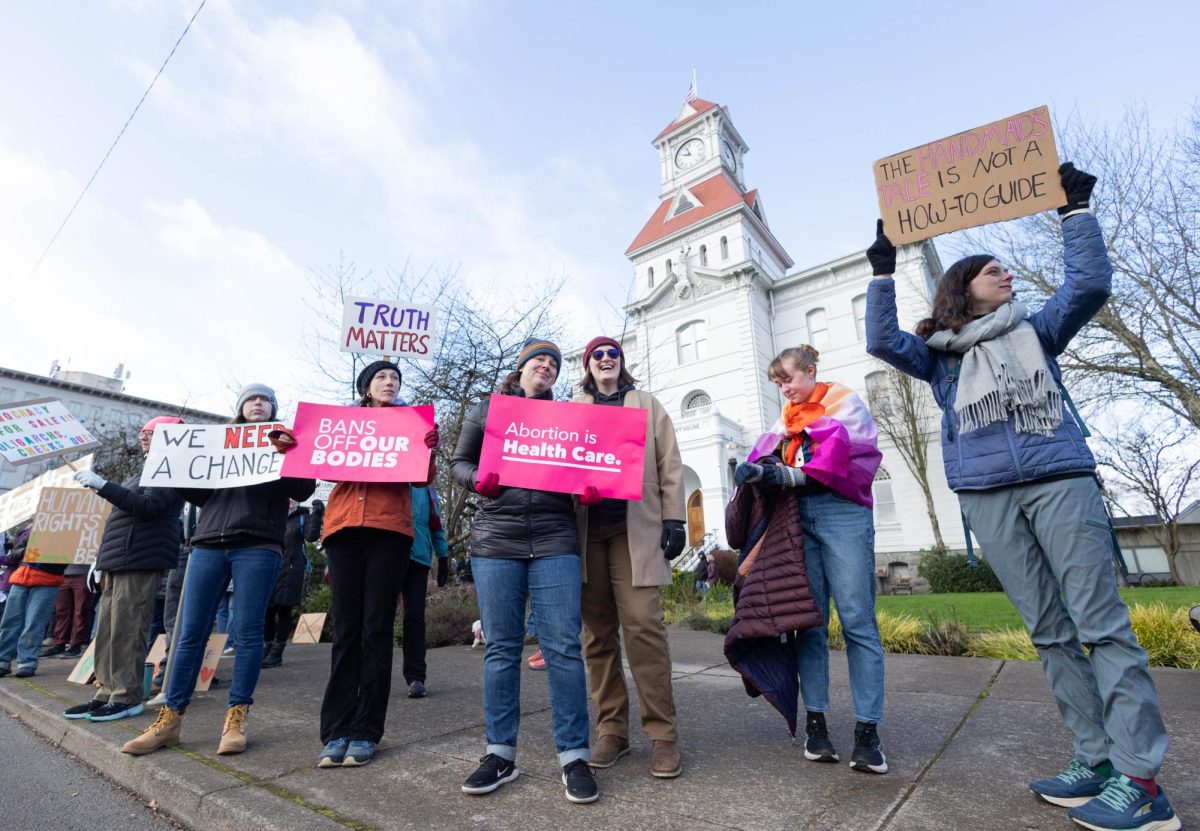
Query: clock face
[728,155]
[690,154]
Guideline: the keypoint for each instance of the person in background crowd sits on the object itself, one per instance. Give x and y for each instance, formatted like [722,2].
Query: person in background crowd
[303,525]
[1026,483]
[463,569]
[239,534]
[628,548]
[8,564]
[701,574]
[525,547]
[429,541]
[714,571]
[141,540]
[174,592]
[33,588]
[73,613]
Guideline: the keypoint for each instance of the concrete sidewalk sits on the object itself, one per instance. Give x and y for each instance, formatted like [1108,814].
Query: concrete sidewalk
[962,736]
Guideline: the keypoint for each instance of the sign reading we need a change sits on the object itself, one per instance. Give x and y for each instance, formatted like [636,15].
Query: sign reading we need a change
[33,430]
[385,327]
[564,447]
[360,444]
[211,456]
[67,527]
[1002,170]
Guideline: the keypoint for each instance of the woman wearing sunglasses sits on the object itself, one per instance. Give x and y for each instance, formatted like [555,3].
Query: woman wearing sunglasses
[628,547]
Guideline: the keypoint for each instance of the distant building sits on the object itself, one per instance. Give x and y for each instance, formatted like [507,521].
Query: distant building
[1144,554]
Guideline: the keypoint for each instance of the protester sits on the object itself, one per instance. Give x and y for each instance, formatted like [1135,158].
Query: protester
[73,613]
[239,535]
[303,525]
[1026,484]
[525,546]
[429,541]
[32,591]
[368,539]
[628,547]
[141,540]
[700,573]
[824,451]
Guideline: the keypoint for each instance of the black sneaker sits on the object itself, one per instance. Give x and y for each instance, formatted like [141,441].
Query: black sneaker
[492,772]
[818,747]
[580,782]
[417,689]
[83,710]
[114,711]
[71,653]
[52,650]
[868,752]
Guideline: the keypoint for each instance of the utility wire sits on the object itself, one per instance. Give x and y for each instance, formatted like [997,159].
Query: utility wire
[96,172]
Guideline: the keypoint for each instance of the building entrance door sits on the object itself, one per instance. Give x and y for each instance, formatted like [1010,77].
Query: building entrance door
[695,518]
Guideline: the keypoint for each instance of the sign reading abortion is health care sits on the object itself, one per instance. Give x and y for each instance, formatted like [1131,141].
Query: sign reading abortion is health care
[68,526]
[564,447]
[1003,170]
[360,444]
[211,456]
[43,427]
[384,327]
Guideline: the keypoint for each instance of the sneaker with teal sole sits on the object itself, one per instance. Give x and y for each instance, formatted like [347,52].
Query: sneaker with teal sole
[1071,788]
[1124,805]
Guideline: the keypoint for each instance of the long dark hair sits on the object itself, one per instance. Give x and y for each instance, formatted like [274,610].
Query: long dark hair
[952,299]
[588,383]
[511,384]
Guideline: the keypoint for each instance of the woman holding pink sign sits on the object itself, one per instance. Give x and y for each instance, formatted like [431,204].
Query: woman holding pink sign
[628,547]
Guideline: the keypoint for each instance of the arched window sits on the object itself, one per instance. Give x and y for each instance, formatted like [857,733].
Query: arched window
[695,403]
[818,329]
[859,304]
[650,276]
[885,501]
[724,248]
[691,341]
[704,255]
[878,397]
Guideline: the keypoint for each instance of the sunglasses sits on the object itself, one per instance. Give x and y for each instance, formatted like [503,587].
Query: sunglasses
[598,354]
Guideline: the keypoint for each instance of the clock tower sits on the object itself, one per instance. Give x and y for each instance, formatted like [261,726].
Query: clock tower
[698,143]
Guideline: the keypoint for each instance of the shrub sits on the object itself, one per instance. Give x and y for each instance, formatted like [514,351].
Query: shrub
[449,613]
[719,594]
[948,572]
[1166,635]
[726,565]
[897,633]
[944,636]
[1006,645]
[709,619]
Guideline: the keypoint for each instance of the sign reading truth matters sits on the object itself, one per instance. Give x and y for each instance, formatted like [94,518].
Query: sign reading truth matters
[382,327]
[43,427]
[68,526]
[1003,170]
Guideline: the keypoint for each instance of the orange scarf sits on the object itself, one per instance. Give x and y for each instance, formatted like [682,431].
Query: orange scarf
[797,417]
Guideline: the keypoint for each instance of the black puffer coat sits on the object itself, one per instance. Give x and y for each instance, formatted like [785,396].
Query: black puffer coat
[519,523]
[289,586]
[144,531]
[246,516]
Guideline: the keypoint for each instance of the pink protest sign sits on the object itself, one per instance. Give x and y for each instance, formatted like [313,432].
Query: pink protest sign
[564,447]
[360,444]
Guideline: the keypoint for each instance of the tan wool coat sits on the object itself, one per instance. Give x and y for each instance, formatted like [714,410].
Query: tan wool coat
[662,495]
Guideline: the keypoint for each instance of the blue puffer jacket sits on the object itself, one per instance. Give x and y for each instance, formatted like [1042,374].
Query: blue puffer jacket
[428,537]
[997,454]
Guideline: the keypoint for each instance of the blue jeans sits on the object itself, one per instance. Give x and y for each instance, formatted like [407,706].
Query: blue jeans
[208,572]
[839,555]
[26,614]
[552,585]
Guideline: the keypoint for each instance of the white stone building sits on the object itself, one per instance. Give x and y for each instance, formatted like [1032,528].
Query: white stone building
[717,297]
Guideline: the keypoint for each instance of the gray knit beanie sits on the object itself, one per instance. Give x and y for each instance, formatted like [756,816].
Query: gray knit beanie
[251,390]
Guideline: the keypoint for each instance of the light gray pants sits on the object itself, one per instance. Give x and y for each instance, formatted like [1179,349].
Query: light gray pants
[1049,544]
[125,611]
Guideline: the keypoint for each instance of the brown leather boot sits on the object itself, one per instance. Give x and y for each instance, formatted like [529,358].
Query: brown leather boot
[664,759]
[233,737]
[164,731]
[607,750]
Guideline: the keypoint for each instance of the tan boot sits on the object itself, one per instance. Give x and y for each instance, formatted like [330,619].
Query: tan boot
[233,737]
[164,731]
[664,759]
[607,750]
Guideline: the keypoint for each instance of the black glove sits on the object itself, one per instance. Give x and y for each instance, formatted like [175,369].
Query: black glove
[1078,186]
[882,254]
[443,572]
[747,472]
[673,538]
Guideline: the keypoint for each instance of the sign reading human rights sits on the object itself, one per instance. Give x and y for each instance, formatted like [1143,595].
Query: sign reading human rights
[211,456]
[360,444]
[33,430]
[1003,170]
[20,503]
[67,527]
[564,447]
[385,327]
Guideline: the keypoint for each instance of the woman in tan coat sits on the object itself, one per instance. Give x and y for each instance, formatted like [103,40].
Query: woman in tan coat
[628,547]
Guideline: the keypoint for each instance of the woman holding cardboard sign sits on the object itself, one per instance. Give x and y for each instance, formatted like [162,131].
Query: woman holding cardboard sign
[628,549]
[1026,483]
[524,545]
[239,535]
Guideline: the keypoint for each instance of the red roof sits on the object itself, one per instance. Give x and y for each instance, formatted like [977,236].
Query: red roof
[699,105]
[715,194]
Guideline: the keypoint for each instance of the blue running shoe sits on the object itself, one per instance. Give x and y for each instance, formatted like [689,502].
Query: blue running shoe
[359,753]
[1071,788]
[1126,806]
[334,753]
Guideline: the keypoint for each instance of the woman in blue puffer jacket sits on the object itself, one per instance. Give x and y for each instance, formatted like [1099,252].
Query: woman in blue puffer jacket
[1026,483]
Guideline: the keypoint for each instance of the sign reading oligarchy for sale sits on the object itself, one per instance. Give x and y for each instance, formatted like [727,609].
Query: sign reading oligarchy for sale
[43,427]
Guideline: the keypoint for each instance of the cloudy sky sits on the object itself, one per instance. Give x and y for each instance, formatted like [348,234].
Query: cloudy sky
[509,140]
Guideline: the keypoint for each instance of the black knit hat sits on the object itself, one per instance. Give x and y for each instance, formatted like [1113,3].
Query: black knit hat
[536,346]
[370,371]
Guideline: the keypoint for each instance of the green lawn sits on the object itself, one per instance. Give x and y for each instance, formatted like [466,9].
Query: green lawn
[991,611]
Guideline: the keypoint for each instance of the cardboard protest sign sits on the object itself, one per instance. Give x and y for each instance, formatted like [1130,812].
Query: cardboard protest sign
[211,456]
[68,526]
[564,447]
[384,327]
[39,428]
[308,628]
[20,503]
[158,651]
[1003,170]
[208,668]
[360,444]
[85,667]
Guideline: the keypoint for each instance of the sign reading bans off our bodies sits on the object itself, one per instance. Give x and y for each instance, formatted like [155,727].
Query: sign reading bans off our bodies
[360,444]
[384,327]
[564,447]
[1003,170]
[67,527]
[43,427]
[211,456]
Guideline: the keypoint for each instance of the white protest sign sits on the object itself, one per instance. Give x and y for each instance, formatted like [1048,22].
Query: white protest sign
[211,456]
[20,503]
[43,427]
[386,327]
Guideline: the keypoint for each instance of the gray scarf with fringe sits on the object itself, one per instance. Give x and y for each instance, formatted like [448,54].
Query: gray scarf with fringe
[1003,371]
